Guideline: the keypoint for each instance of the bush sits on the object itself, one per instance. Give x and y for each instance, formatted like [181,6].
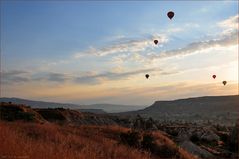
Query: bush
[133,139]
[130,138]
[165,151]
[148,143]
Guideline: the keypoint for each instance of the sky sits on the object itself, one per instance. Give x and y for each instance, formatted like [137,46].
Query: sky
[99,52]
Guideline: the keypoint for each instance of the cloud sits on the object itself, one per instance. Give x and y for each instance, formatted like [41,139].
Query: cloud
[49,77]
[230,23]
[195,47]
[87,80]
[14,76]
[192,48]
[141,50]
[97,78]
[228,37]
[124,45]
[19,76]
[56,77]
[13,73]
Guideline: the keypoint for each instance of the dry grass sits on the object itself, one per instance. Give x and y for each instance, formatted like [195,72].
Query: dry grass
[51,141]
[170,145]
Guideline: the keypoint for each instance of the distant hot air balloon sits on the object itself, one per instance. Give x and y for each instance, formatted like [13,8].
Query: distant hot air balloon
[147,76]
[214,76]
[156,42]
[170,14]
[224,82]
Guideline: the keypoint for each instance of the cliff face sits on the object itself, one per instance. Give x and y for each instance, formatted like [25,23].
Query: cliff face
[200,104]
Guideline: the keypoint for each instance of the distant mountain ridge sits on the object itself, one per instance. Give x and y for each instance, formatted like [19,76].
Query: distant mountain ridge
[215,108]
[113,108]
[205,103]
[94,108]
[95,111]
[38,104]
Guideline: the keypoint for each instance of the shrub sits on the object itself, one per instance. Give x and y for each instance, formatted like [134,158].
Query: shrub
[131,138]
[148,143]
[165,151]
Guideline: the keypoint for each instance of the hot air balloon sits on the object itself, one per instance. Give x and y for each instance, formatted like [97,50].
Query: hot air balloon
[214,76]
[170,14]
[147,76]
[156,42]
[224,82]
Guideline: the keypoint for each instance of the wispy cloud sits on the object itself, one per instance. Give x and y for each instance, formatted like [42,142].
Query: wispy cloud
[142,49]
[229,25]
[20,76]
[193,48]
[227,40]
[228,37]
[125,45]
[111,76]
[14,76]
[56,77]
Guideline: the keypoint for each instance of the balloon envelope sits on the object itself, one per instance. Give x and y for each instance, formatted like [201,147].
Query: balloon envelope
[147,76]
[155,42]
[170,14]
[224,82]
[214,76]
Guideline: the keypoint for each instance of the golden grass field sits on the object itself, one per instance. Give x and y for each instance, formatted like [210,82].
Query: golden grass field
[50,141]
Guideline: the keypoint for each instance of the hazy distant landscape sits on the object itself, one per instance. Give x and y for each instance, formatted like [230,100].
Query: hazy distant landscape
[109,108]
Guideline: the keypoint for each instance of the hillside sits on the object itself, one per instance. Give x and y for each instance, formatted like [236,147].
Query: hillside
[64,133]
[14,112]
[216,108]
